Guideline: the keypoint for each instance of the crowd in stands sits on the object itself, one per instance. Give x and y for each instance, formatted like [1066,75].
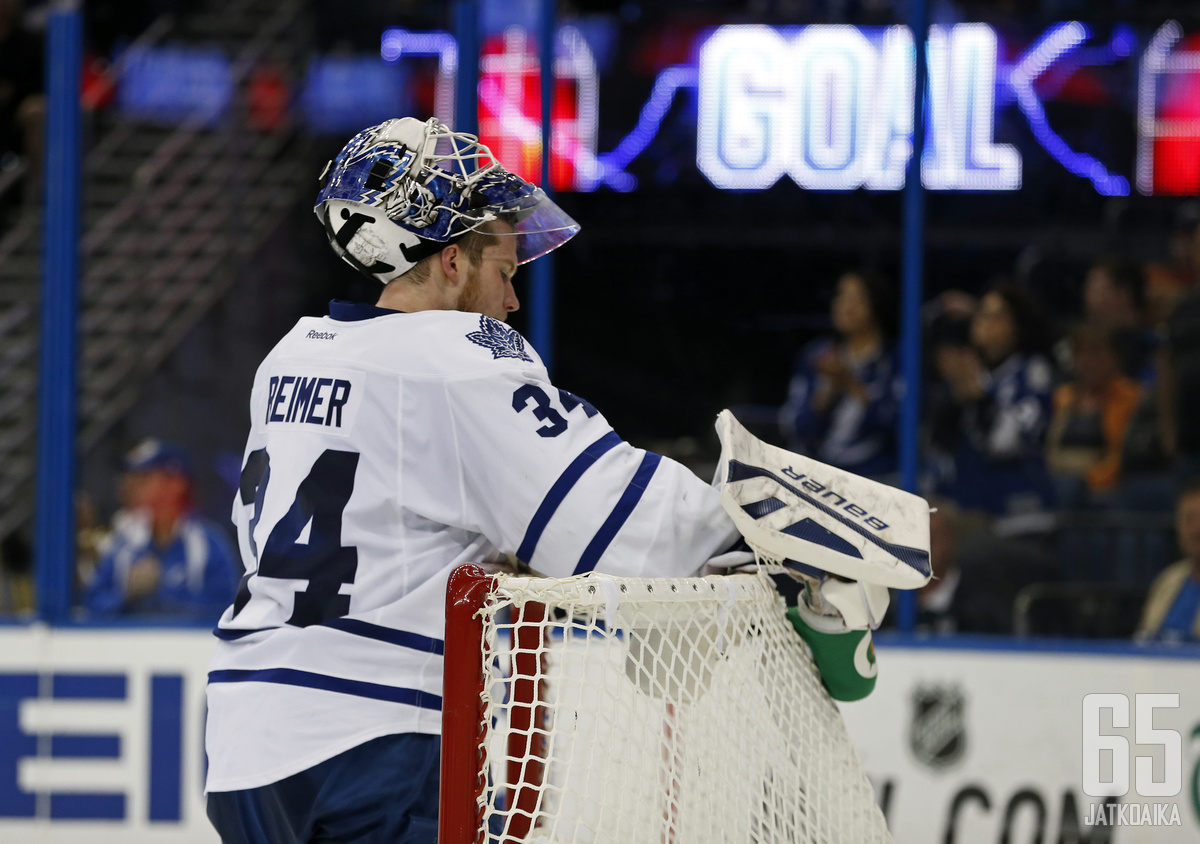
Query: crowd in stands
[1172,609]
[1054,446]
[1051,450]
[1061,449]
[22,109]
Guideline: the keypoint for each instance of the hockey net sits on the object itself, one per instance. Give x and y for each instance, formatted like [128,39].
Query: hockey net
[640,711]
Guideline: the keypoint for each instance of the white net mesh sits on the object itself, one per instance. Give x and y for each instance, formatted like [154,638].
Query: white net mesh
[649,711]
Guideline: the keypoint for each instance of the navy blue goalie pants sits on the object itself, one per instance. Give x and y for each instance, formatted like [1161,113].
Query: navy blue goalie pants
[382,792]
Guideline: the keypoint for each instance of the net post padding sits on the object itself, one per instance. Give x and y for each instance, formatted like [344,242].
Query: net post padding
[526,717]
[464,760]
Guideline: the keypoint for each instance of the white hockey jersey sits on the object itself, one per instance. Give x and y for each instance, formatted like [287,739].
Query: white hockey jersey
[385,449]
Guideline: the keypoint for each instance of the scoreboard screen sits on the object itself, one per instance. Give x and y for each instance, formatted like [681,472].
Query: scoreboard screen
[828,106]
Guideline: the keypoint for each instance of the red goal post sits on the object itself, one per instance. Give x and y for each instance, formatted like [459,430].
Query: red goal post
[639,711]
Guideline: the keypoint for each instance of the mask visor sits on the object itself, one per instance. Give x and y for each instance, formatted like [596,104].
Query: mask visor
[541,225]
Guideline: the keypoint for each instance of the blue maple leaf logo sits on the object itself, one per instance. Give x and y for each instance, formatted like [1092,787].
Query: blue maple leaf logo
[502,341]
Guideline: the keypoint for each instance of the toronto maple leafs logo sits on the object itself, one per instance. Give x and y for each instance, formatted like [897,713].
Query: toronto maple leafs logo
[503,341]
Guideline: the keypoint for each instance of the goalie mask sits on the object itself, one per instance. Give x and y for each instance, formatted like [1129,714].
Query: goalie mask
[405,189]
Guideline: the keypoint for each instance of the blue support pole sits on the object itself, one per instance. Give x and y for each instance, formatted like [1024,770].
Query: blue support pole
[54,549]
[912,258]
[541,271]
[466,83]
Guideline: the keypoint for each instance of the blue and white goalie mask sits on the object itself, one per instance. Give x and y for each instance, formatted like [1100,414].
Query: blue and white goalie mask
[405,189]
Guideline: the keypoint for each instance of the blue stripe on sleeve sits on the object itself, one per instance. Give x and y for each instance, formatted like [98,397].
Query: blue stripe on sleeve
[233,635]
[356,627]
[559,491]
[629,499]
[312,680]
[391,635]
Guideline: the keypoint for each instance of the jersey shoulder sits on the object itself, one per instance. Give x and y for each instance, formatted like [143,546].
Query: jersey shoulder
[454,344]
[436,344]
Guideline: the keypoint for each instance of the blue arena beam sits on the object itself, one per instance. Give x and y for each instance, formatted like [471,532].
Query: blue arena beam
[466,83]
[541,271]
[54,549]
[912,278]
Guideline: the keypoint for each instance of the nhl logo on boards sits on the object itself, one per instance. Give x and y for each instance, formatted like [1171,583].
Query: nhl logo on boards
[938,735]
[499,339]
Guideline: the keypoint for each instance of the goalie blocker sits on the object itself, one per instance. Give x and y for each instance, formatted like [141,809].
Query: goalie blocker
[847,538]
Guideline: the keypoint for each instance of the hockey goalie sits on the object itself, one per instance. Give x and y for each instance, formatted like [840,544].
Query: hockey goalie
[392,443]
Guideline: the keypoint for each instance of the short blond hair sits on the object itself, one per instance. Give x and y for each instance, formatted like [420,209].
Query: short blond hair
[472,245]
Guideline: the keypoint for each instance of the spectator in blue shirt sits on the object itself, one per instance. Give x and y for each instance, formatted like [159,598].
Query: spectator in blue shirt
[842,400]
[162,558]
[1172,609]
[1001,386]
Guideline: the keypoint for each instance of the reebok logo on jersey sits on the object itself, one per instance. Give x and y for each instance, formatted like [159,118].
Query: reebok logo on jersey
[320,335]
[324,399]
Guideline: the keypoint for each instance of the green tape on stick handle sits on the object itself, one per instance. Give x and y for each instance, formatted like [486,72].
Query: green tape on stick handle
[845,658]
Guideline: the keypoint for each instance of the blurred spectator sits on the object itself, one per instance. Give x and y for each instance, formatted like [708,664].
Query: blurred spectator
[1172,608]
[1091,415]
[16,576]
[994,425]
[92,538]
[267,99]
[22,106]
[1179,391]
[99,86]
[937,608]
[947,337]
[1147,482]
[163,558]
[1114,296]
[976,575]
[842,402]
[1167,283]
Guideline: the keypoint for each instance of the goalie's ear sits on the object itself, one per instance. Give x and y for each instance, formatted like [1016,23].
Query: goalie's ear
[788,506]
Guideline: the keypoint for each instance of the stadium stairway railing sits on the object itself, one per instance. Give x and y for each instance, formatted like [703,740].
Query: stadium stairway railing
[1078,610]
[1115,546]
[171,209]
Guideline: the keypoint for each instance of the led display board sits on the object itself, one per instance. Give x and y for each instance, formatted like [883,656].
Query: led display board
[510,107]
[828,107]
[510,98]
[1168,154]
[173,84]
[345,93]
[831,107]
